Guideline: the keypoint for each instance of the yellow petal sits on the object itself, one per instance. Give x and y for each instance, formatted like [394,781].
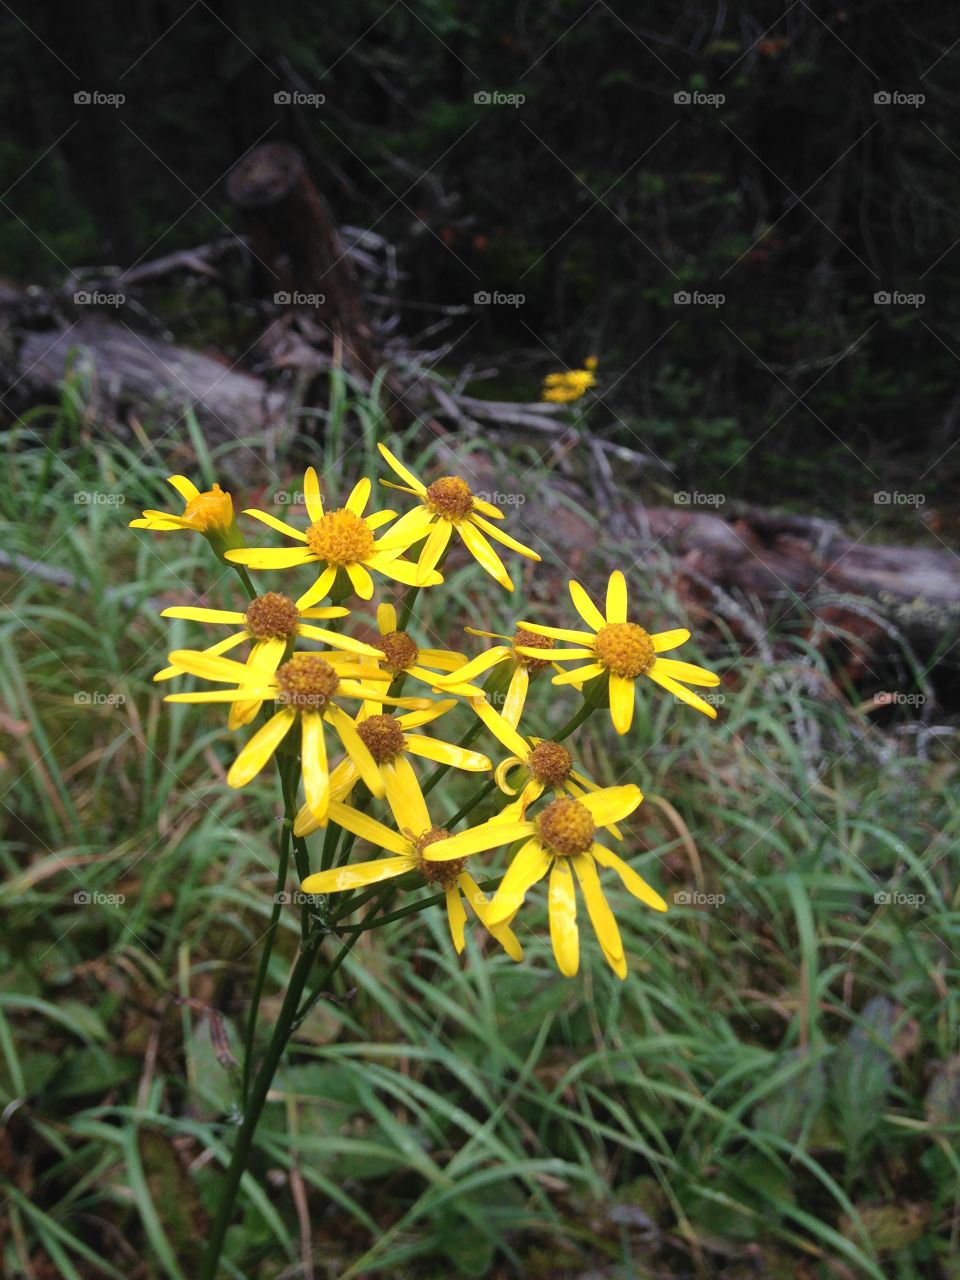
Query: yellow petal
[405,798]
[580,675]
[488,835]
[433,549]
[410,528]
[338,641]
[513,703]
[203,615]
[405,475]
[418,744]
[270,557]
[632,882]
[377,519]
[386,619]
[530,864]
[260,748]
[678,690]
[504,538]
[356,748]
[612,804]
[222,646]
[241,693]
[359,496]
[557,633]
[403,571]
[587,610]
[457,918]
[663,640]
[311,495]
[319,589]
[501,728]
[562,907]
[186,488]
[475,667]
[337,879]
[313,756]
[484,554]
[622,702]
[281,526]
[617,597]
[242,713]
[360,580]
[687,672]
[601,917]
[478,900]
[414,719]
[367,828]
[213,667]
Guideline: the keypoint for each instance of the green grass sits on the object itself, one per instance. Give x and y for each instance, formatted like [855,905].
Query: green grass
[774,1090]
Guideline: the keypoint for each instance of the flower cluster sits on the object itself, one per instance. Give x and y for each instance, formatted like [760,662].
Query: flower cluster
[367,699]
[571,384]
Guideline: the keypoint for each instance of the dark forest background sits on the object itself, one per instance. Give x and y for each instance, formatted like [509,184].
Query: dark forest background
[597,198]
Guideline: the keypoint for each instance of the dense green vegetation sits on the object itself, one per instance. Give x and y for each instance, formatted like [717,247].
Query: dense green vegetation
[772,1091]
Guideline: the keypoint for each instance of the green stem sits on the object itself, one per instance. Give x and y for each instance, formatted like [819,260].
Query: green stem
[407,607]
[255,1104]
[264,965]
[591,700]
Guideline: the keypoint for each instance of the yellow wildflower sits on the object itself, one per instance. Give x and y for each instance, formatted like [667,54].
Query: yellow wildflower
[408,846]
[209,512]
[560,837]
[624,651]
[341,540]
[446,505]
[305,686]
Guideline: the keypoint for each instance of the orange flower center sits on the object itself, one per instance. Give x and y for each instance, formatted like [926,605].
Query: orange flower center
[210,510]
[450,497]
[625,649]
[566,827]
[382,736]
[307,682]
[550,763]
[399,650]
[442,873]
[340,537]
[530,640]
[272,616]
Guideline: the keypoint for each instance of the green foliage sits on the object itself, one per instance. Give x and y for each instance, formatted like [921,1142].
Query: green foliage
[777,1077]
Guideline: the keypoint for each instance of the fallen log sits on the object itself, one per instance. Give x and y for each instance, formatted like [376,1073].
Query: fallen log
[808,570]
